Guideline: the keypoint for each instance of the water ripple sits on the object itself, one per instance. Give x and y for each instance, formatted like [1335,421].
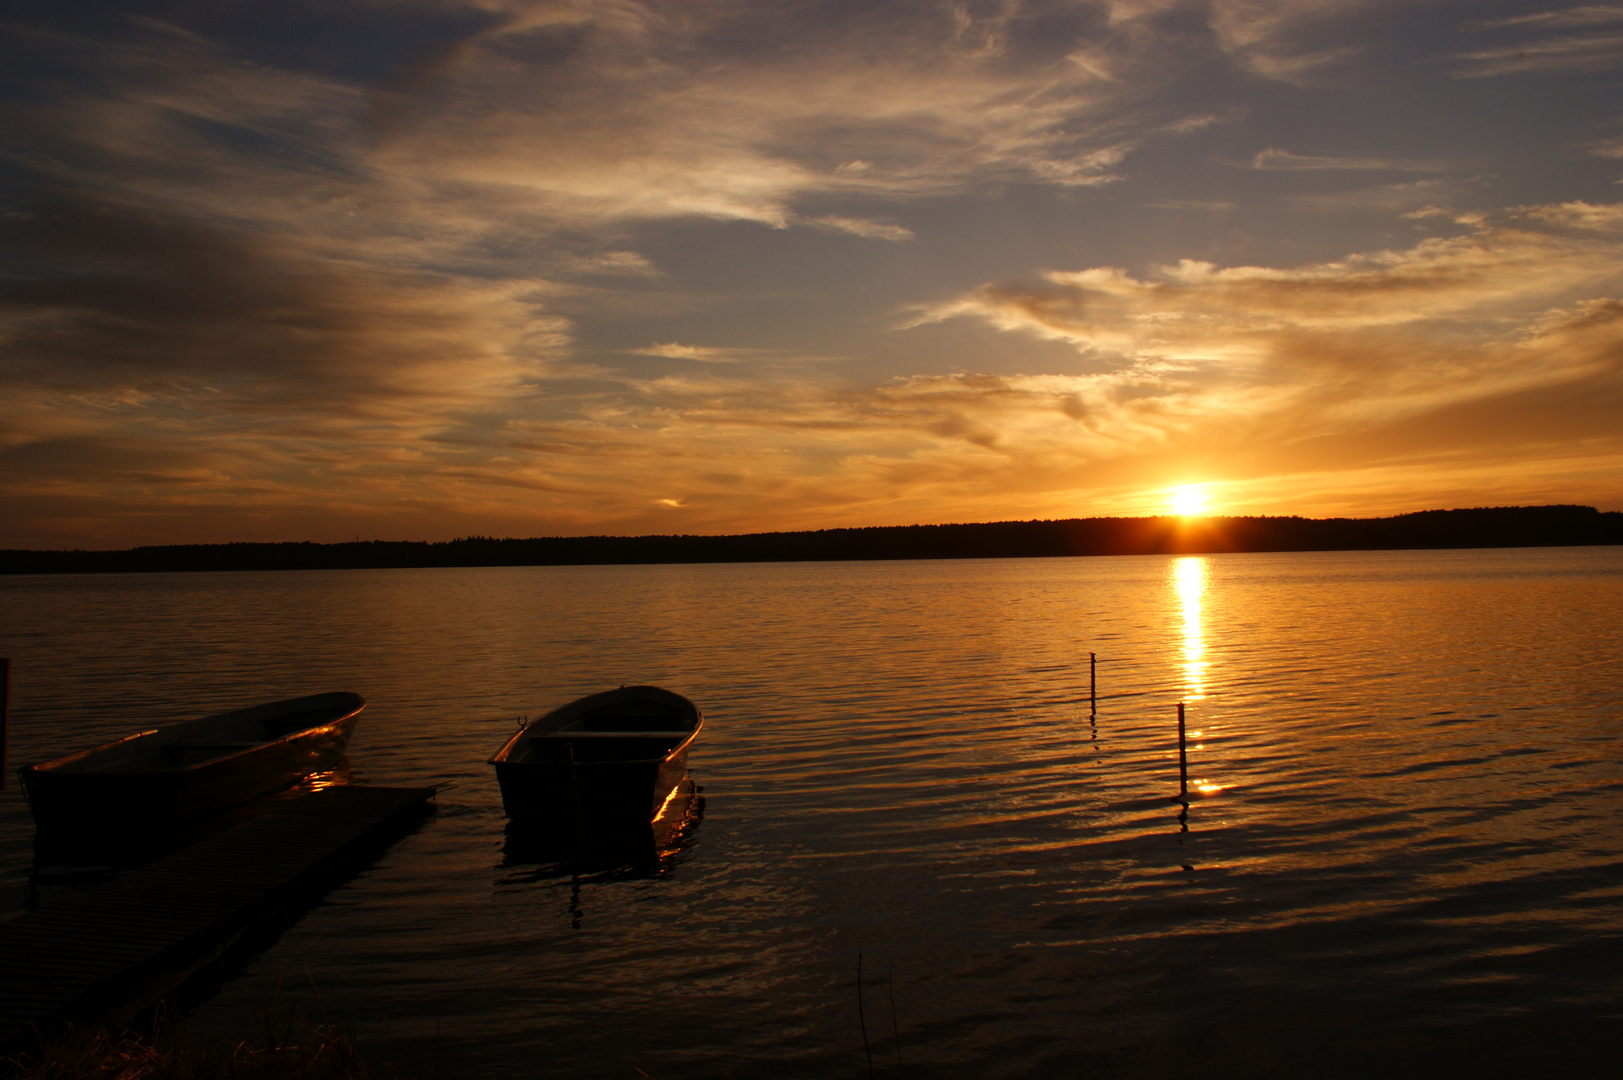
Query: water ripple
[1405,782]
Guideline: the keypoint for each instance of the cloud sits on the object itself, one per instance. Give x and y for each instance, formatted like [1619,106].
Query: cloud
[1187,124]
[1577,215]
[621,263]
[232,281]
[1493,359]
[1200,356]
[1571,40]
[1189,204]
[1427,212]
[703,353]
[1273,159]
[636,114]
[140,309]
[167,367]
[871,230]
[1582,53]
[1586,15]
[285,279]
[1407,200]
[1287,40]
[1485,361]
[1502,266]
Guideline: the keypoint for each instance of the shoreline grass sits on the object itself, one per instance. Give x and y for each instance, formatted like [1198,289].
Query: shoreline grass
[292,1048]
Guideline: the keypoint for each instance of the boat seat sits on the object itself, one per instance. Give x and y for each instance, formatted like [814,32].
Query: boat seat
[617,734]
[211,745]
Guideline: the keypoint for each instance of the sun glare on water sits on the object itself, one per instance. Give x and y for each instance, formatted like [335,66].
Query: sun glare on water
[1188,500]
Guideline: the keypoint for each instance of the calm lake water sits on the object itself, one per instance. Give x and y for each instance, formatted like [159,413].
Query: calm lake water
[1401,853]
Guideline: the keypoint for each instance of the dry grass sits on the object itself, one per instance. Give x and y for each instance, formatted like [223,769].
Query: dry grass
[292,1049]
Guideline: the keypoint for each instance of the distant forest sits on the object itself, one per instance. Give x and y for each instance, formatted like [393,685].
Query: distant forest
[1519,526]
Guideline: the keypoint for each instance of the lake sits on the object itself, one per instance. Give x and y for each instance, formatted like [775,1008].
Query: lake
[1400,851]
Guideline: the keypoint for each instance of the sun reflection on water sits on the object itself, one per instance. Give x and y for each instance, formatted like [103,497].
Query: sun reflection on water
[1189,584]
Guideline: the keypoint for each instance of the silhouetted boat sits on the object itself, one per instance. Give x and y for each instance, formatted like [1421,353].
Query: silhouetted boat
[159,779]
[533,854]
[604,763]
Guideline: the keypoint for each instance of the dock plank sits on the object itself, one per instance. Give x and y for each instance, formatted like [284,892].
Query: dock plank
[105,953]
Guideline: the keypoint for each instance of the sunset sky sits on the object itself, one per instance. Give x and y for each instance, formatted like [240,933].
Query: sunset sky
[279,271]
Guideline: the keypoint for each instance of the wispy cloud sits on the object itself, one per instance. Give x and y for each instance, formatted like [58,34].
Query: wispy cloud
[703,353]
[1288,40]
[1586,38]
[871,230]
[1274,159]
[1351,369]
[1198,355]
[1607,148]
[1190,204]
[1585,15]
[637,116]
[1586,53]
[1370,365]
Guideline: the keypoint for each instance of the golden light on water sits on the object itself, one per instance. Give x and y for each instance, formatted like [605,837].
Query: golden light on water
[1188,581]
[1188,578]
[331,778]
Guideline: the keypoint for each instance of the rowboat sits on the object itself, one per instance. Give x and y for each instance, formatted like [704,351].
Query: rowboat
[602,763]
[165,777]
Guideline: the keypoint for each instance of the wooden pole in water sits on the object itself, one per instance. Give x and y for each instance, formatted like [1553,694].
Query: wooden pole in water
[1093,680]
[862,1017]
[1183,755]
[5,720]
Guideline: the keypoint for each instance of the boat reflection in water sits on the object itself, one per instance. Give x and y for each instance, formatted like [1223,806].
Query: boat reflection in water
[534,853]
[67,862]
[138,798]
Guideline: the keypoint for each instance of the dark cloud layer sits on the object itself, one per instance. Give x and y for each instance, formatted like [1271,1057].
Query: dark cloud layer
[137,305]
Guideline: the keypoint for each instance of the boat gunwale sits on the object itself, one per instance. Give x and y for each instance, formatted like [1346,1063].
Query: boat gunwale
[570,710]
[60,766]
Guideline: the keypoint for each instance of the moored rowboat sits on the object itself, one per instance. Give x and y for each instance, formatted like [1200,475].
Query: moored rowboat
[603,762]
[159,779]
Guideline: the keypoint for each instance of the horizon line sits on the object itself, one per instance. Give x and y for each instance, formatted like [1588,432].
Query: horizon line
[480,538]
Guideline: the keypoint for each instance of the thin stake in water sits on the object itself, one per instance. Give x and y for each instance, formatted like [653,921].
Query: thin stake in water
[862,1018]
[5,719]
[895,1029]
[1183,756]
[574,794]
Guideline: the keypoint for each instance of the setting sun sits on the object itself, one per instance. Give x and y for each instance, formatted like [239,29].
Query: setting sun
[1188,500]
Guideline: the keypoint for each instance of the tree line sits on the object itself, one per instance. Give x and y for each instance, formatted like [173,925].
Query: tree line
[1521,526]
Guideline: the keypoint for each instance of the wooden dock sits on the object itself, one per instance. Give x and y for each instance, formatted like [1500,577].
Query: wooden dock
[105,954]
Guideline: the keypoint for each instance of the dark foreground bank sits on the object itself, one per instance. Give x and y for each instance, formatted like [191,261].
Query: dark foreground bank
[1516,526]
[292,1047]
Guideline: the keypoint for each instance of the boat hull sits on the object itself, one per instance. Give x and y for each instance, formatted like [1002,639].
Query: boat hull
[160,780]
[645,845]
[575,772]
[608,795]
